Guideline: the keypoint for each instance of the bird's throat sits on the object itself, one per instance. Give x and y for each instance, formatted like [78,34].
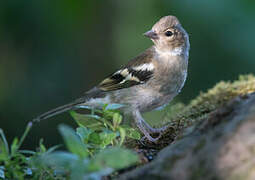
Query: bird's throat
[178,51]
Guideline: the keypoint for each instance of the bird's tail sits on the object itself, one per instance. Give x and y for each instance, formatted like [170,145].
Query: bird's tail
[57,111]
[93,93]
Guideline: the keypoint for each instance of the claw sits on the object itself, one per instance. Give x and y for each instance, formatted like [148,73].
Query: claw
[151,139]
[146,128]
[155,130]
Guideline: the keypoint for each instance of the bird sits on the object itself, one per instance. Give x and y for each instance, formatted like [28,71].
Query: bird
[147,82]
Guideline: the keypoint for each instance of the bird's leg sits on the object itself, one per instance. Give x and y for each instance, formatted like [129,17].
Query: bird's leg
[154,130]
[140,124]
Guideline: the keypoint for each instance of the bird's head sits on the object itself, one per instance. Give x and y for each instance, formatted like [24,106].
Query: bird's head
[168,34]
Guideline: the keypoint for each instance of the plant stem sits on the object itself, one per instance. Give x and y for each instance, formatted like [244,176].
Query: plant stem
[4,139]
[29,126]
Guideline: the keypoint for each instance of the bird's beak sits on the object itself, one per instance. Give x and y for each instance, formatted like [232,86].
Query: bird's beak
[151,34]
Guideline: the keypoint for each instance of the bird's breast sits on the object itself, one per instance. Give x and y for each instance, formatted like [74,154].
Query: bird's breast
[171,75]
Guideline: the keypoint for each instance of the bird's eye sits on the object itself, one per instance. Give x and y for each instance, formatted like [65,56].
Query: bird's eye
[169,33]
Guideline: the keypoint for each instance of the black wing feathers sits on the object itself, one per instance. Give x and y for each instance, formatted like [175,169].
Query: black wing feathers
[137,71]
[141,75]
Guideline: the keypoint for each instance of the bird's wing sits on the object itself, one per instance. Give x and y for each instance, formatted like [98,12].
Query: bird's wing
[137,71]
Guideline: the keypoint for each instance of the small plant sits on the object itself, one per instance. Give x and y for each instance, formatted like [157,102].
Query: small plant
[13,163]
[103,127]
[94,150]
[78,162]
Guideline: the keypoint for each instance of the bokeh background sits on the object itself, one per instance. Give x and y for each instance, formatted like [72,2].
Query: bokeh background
[53,51]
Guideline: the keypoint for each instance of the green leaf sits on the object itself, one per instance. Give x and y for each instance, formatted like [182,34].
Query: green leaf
[132,133]
[108,114]
[53,148]
[90,121]
[116,158]
[58,159]
[117,118]
[4,146]
[95,138]
[28,127]
[107,137]
[113,106]
[73,142]
[67,164]
[84,133]
[14,146]
[122,135]
[42,147]
[3,151]
[79,169]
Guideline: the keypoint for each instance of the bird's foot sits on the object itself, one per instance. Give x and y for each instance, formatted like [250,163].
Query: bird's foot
[149,138]
[156,130]
[156,135]
[146,129]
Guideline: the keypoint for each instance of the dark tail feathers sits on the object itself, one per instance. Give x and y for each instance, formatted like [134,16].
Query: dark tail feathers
[57,111]
[93,93]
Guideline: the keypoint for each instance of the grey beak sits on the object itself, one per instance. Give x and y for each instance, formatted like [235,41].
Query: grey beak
[151,34]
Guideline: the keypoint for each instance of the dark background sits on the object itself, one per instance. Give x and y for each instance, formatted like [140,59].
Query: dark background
[53,51]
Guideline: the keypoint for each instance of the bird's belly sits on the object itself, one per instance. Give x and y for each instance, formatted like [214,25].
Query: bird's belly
[158,102]
[143,99]
[167,89]
[148,100]
[174,84]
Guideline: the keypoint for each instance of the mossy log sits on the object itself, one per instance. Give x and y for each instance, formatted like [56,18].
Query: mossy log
[214,139]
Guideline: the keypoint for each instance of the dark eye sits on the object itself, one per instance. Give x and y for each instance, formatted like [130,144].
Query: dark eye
[169,33]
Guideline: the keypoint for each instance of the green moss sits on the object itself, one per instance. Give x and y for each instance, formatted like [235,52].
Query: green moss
[206,102]
[181,116]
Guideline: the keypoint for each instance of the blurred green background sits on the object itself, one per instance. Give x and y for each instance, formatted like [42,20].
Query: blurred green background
[53,51]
